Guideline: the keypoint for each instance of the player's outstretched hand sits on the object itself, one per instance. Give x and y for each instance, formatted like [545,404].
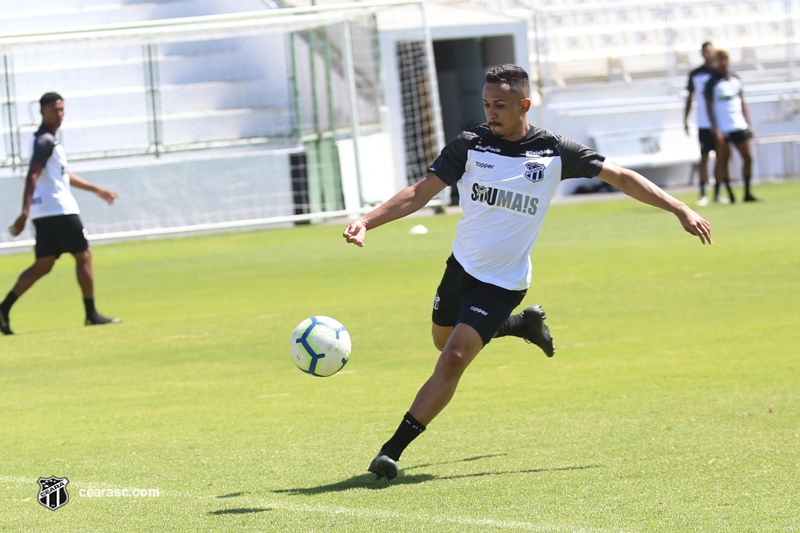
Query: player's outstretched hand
[108,195]
[696,225]
[355,232]
[16,228]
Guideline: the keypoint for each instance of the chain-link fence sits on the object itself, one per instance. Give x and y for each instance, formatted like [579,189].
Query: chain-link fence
[294,87]
[222,83]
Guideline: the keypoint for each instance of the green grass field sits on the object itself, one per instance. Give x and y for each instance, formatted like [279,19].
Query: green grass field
[672,405]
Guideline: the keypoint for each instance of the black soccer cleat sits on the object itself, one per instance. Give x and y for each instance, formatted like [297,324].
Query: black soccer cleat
[751,198]
[536,331]
[99,320]
[384,466]
[5,326]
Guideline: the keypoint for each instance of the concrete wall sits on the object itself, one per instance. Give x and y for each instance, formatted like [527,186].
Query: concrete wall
[154,194]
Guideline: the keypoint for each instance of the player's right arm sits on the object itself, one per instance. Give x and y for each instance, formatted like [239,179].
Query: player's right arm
[688,107]
[411,199]
[686,111]
[34,171]
[640,188]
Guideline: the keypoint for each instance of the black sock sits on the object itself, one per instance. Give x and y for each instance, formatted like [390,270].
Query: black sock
[716,189]
[514,325]
[8,302]
[747,185]
[410,428]
[730,191]
[88,303]
[702,189]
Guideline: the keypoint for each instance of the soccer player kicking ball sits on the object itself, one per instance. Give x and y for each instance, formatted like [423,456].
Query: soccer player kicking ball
[507,172]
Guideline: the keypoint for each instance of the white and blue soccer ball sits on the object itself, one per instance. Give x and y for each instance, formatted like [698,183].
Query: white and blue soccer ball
[320,346]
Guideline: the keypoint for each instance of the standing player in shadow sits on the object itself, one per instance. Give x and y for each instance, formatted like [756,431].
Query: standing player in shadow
[49,203]
[697,83]
[507,172]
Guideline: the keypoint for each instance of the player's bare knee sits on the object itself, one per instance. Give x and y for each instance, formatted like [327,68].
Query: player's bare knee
[451,364]
[43,267]
[84,257]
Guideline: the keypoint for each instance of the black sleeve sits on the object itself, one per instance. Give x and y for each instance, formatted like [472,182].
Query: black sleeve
[43,149]
[690,85]
[451,163]
[578,160]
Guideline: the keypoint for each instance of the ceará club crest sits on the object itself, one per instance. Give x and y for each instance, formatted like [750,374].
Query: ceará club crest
[534,171]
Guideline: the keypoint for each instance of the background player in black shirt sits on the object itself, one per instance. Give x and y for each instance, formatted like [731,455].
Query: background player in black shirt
[696,85]
[54,211]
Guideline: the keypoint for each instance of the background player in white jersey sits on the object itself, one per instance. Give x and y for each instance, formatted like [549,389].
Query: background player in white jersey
[697,83]
[49,203]
[731,124]
[507,172]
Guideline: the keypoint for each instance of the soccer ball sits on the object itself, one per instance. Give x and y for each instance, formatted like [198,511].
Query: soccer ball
[320,346]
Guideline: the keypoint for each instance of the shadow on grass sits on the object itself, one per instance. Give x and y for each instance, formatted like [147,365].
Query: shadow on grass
[231,495]
[368,481]
[241,510]
[468,459]
[526,471]
[363,481]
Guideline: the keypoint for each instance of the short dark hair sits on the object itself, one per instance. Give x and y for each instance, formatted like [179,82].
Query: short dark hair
[514,76]
[49,98]
[703,46]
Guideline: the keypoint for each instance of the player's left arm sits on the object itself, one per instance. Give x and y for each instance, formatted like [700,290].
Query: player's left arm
[637,186]
[106,194]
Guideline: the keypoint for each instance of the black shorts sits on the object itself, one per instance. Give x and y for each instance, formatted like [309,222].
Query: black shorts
[59,234]
[738,136]
[461,298]
[707,141]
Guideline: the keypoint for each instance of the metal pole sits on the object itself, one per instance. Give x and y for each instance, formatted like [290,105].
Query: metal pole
[542,63]
[331,180]
[151,89]
[9,105]
[790,38]
[295,93]
[355,119]
[314,178]
[671,62]
[438,126]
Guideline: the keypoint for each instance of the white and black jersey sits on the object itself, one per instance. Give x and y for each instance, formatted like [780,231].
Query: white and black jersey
[52,195]
[725,93]
[697,84]
[505,190]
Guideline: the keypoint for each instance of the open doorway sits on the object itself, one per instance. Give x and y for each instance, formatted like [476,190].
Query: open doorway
[460,66]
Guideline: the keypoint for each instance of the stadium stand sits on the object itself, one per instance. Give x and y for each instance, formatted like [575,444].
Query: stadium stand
[640,34]
[612,73]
